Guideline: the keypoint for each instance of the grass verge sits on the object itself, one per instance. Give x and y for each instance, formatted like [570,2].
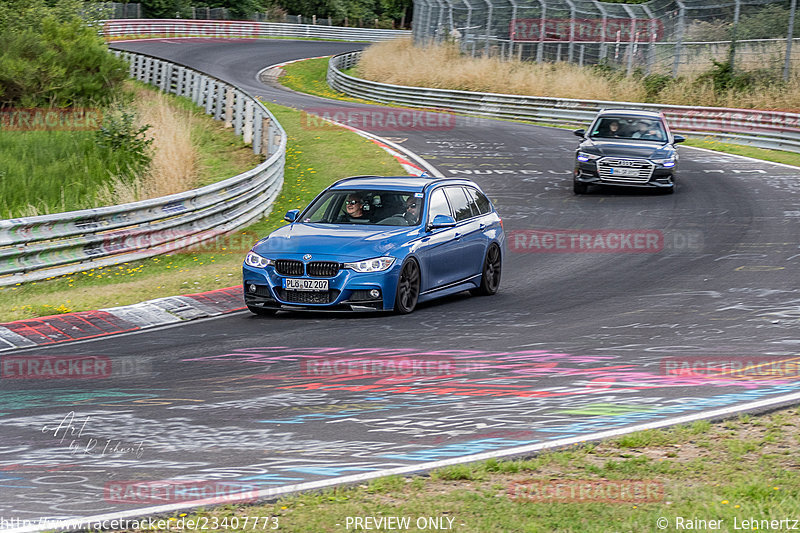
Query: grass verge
[45,172]
[314,159]
[309,77]
[732,472]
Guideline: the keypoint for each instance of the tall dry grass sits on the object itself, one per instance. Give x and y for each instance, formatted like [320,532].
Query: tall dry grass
[174,164]
[443,66]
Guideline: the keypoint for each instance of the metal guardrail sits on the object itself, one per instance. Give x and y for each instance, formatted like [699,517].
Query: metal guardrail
[138,28]
[763,129]
[35,248]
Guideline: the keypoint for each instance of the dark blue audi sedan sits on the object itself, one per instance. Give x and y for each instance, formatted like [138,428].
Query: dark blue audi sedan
[373,243]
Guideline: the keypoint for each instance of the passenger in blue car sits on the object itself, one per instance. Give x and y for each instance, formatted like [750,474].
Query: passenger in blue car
[354,209]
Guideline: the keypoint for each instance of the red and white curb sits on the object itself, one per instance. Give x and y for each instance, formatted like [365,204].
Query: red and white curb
[84,325]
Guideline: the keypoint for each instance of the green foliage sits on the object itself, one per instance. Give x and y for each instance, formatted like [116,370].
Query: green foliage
[120,134]
[166,9]
[724,78]
[52,57]
[655,83]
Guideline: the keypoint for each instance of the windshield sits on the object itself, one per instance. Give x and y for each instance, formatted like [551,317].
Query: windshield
[641,128]
[361,206]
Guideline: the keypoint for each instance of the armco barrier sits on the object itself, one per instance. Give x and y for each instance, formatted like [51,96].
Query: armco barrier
[119,29]
[764,129]
[40,247]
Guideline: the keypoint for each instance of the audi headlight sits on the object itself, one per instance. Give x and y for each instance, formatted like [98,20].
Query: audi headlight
[377,264]
[666,163]
[583,157]
[256,261]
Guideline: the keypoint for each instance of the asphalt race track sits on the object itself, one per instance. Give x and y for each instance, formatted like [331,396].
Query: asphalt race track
[588,334]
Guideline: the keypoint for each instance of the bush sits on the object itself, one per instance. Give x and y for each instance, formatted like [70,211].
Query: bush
[55,62]
[725,78]
[120,134]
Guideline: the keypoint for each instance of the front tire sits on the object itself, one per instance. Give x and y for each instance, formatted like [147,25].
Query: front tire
[407,288]
[579,188]
[492,269]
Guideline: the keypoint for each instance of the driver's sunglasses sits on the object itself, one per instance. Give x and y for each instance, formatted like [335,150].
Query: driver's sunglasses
[352,202]
[411,206]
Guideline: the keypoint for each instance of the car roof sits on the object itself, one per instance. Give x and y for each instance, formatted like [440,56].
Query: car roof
[629,113]
[395,183]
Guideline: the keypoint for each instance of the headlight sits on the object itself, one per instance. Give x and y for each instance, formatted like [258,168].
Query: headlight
[666,163]
[583,157]
[255,260]
[377,264]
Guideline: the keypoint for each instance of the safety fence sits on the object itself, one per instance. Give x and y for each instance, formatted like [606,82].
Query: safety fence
[129,28]
[674,37]
[40,247]
[764,129]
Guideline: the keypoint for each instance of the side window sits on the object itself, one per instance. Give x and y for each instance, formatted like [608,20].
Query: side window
[438,205]
[469,191]
[481,202]
[458,201]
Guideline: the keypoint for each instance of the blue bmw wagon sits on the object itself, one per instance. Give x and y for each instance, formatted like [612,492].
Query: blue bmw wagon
[371,243]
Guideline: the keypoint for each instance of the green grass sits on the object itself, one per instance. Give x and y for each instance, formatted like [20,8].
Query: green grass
[51,171]
[44,172]
[739,476]
[309,76]
[314,159]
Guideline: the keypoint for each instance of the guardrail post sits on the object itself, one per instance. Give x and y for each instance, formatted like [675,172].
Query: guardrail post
[179,75]
[257,131]
[195,84]
[211,92]
[266,136]
[238,115]
[220,100]
[229,96]
[247,129]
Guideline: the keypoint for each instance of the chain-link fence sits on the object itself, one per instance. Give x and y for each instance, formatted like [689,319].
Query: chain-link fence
[660,36]
[119,10]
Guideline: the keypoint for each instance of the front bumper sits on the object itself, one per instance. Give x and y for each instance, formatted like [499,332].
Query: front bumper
[347,291]
[587,173]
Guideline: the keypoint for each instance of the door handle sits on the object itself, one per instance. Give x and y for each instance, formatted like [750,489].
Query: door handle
[483,226]
[458,236]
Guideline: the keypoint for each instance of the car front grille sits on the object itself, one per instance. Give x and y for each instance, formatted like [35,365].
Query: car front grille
[307,297]
[288,267]
[323,269]
[643,167]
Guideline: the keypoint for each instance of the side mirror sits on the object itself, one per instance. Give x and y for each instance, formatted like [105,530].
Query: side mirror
[679,139]
[442,221]
[579,133]
[291,215]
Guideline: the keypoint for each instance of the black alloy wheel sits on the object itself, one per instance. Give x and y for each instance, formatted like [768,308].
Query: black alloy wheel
[407,288]
[490,277]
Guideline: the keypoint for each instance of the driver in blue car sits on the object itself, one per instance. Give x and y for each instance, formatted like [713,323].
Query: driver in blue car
[412,210]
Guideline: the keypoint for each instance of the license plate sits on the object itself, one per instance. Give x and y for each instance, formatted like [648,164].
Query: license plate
[295,284]
[622,171]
